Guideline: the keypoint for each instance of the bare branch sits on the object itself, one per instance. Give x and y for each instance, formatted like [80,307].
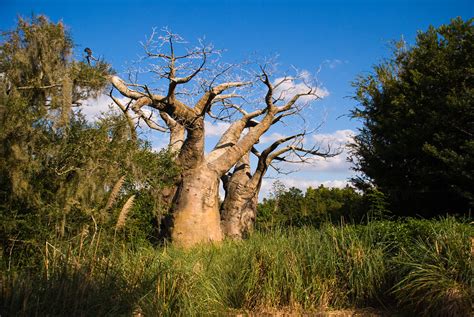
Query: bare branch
[269,96]
[193,74]
[133,132]
[206,100]
[295,98]
[136,107]
[232,135]
[176,132]
[225,97]
[272,153]
[122,87]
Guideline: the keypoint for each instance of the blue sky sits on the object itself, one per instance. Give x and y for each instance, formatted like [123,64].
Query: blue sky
[344,38]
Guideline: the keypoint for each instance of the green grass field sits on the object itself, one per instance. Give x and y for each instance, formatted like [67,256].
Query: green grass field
[413,267]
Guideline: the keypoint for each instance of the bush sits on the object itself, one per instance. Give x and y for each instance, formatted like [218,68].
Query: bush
[435,271]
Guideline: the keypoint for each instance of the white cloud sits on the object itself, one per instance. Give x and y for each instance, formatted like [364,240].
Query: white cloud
[336,141]
[336,164]
[271,138]
[339,138]
[290,86]
[336,170]
[333,63]
[92,108]
[303,183]
[215,128]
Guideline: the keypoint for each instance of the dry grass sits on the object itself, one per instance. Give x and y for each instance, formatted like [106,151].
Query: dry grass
[122,218]
[291,312]
[114,193]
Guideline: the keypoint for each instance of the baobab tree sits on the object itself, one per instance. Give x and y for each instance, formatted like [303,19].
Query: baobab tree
[195,206]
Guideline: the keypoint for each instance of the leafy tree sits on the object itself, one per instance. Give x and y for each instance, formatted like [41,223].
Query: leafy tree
[39,86]
[375,204]
[417,109]
[59,174]
[334,204]
[289,207]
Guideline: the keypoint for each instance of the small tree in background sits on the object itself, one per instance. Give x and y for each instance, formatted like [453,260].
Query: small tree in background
[417,109]
[290,207]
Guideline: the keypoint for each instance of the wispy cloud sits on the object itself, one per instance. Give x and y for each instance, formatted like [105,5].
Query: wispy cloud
[215,128]
[336,164]
[298,85]
[333,63]
[338,140]
[339,137]
[271,137]
[335,141]
[92,108]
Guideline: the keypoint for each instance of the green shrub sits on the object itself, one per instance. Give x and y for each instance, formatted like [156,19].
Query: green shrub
[435,272]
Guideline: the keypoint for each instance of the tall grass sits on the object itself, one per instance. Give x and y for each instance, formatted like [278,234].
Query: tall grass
[435,272]
[428,270]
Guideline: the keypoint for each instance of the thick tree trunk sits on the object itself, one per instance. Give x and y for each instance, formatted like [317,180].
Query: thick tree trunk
[240,203]
[196,216]
[238,215]
[249,215]
[231,215]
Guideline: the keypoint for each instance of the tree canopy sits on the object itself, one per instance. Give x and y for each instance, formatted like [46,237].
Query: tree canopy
[57,170]
[416,144]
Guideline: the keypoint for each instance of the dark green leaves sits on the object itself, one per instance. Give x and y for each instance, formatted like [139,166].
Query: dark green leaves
[417,112]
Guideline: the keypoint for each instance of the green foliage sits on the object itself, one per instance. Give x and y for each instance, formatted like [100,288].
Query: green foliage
[435,272]
[319,205]
[300,270]
[416,144]
[375,203]
[38,89]
[57,170]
